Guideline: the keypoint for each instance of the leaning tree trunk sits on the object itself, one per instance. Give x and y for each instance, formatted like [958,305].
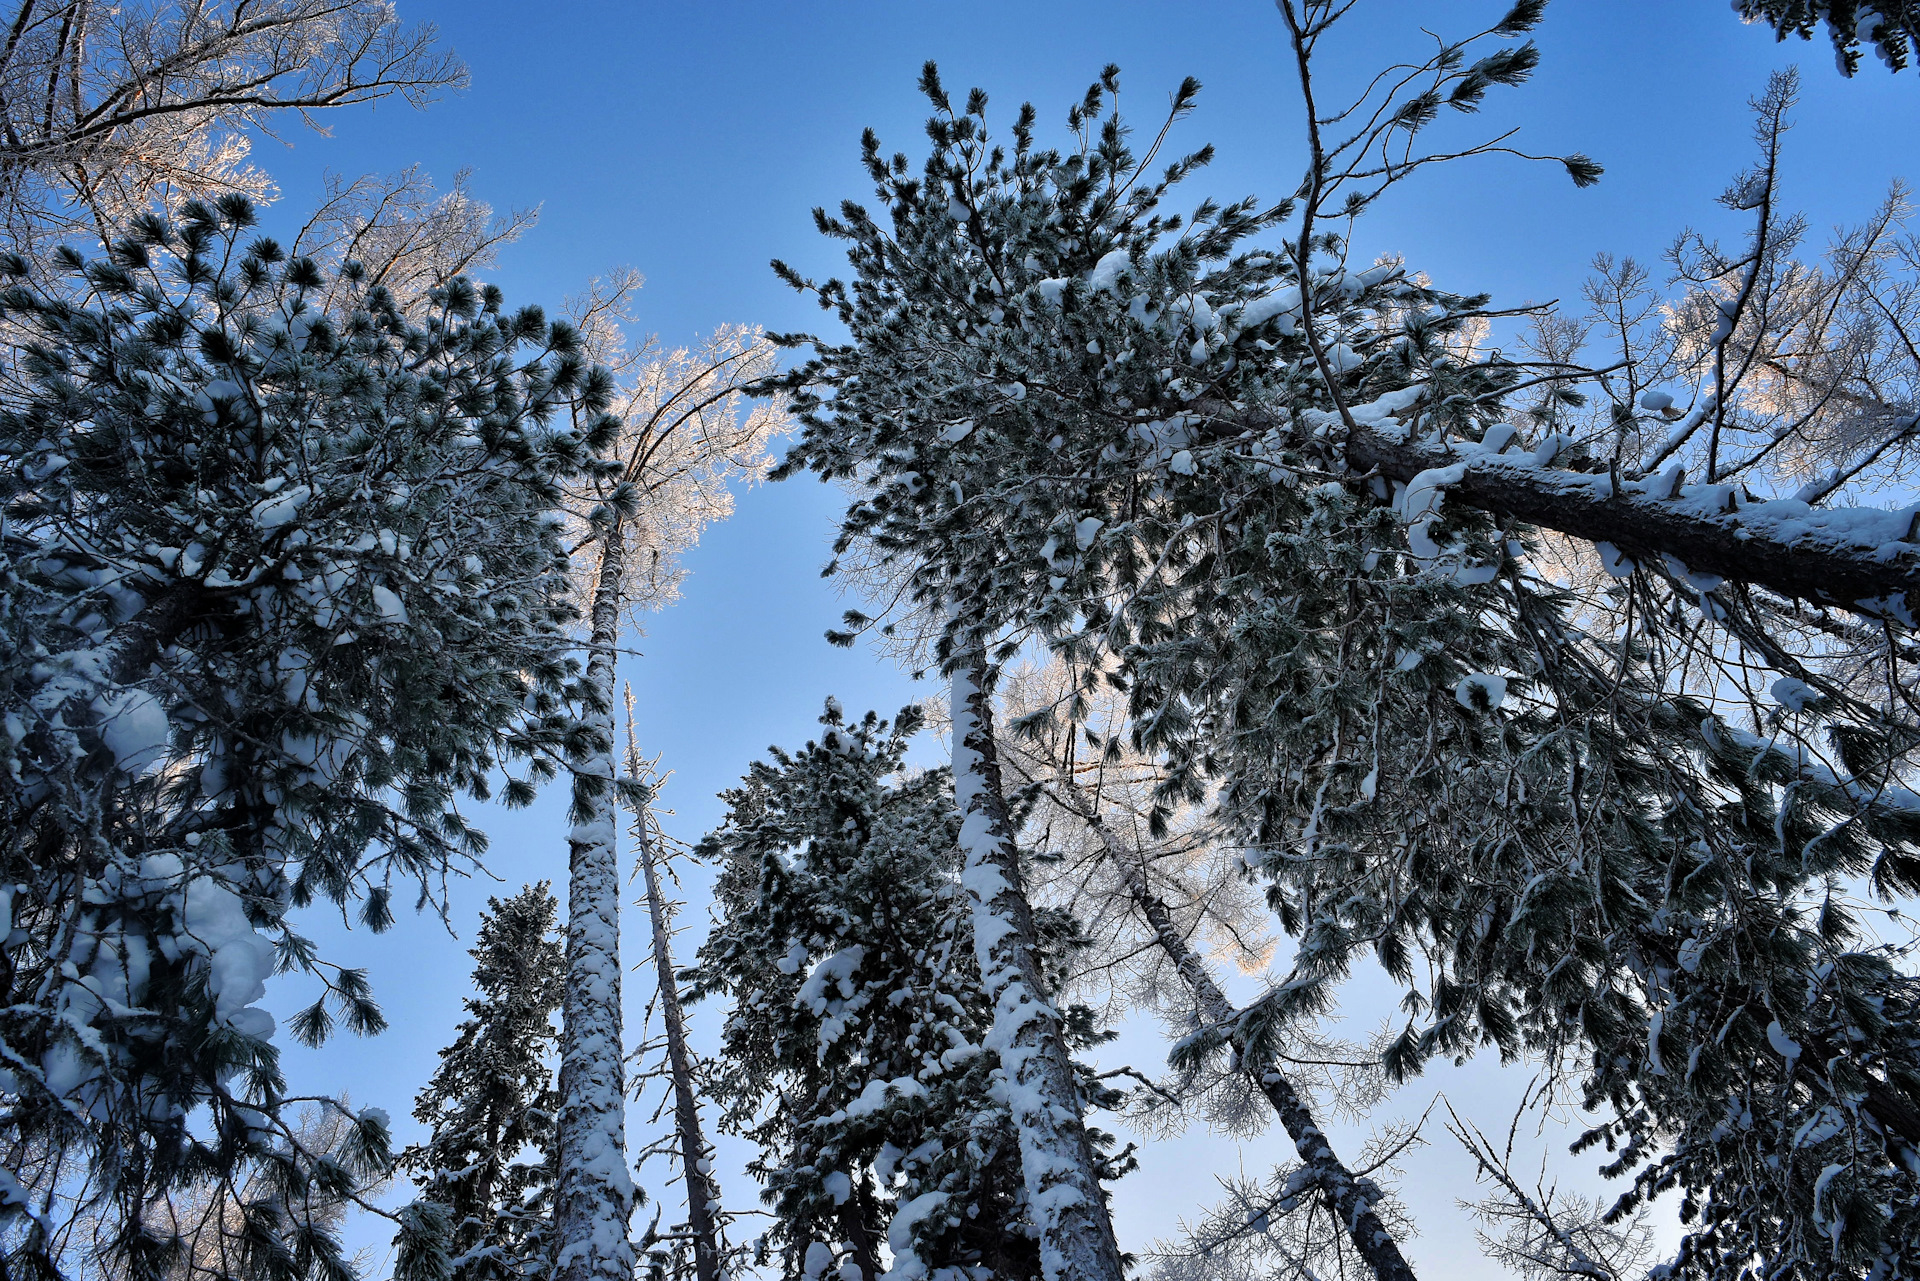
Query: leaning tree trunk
[1866,561]
[703,1194]
[594,1196]
[1863,560]
[1056,1155]
[1345,1194]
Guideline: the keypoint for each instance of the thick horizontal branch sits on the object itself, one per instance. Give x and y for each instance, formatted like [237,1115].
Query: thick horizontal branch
[1860,559]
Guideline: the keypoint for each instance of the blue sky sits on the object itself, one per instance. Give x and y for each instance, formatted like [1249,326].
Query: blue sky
[691,140]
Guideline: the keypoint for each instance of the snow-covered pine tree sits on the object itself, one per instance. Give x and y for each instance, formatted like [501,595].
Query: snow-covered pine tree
[857,1050]
[1888,27]
[958,456]
[1282,492]
[278,590]
[682,433]
[489,1108]
[922,440]
[1755,801]
[1030,1035]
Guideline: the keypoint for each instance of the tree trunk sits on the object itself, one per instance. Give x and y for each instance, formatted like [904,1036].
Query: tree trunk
[1864,560]
[594,1196]
[1056,1156]
[1348,1199]
[1870,566]
[856,1212]
[702,1192]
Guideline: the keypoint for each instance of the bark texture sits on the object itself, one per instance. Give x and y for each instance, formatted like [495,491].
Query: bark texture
[703,1194]
[595,1191]
[1056,1155]
[1826,556]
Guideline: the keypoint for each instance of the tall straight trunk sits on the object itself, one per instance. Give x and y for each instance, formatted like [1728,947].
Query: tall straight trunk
[1344,1193]
[703,1193]
[1056,1155]
[594,1196]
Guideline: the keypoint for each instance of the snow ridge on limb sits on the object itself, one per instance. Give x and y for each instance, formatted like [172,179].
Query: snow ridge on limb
[1865,560]
[1056,1156]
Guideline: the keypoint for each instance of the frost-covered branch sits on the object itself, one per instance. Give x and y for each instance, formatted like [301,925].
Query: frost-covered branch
[1547,1233]
[111,110]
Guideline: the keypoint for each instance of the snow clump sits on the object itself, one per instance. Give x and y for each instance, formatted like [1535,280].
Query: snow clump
[134,727]
[239,959]
[1794,695]
[1481,692]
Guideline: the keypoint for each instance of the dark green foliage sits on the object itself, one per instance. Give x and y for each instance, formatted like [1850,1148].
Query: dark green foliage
[279,588]
[1076,419]
[853,1049]
[1888,27]
[491,1104]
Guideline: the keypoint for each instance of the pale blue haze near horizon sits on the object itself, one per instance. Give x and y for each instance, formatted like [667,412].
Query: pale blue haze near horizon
[690,141]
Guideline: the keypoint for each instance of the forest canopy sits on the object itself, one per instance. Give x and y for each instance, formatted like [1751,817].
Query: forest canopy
[1308,638]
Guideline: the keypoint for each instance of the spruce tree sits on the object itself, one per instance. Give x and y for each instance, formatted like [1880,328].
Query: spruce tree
[860,1059]
[490,1106]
